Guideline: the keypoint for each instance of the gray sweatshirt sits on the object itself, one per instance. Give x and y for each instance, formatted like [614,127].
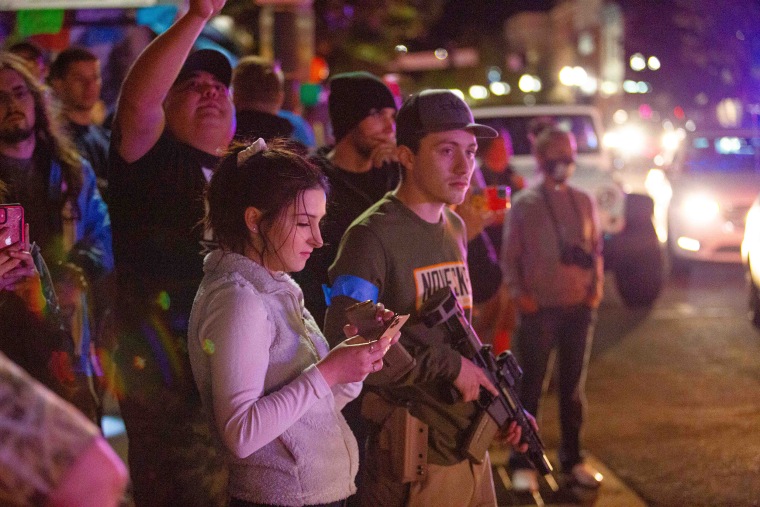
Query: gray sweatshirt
[253,349]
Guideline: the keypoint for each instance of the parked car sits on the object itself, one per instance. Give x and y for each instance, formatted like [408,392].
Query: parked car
[713,179]
[631,249]
[750,252]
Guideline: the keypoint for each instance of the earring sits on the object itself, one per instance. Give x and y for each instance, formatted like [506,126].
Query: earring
[255,230]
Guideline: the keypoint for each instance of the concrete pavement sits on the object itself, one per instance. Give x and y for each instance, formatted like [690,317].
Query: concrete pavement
[612,493]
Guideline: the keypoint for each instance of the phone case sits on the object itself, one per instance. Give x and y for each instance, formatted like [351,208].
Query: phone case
[393,326]
[12,217]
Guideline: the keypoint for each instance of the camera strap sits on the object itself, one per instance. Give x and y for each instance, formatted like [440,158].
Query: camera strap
[555,223]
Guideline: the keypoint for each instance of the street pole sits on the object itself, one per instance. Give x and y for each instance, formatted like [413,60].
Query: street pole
[286,34]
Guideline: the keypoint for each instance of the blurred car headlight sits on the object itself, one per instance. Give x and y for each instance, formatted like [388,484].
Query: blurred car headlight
[700,208]
[751,238]
[671,140]
[658,187]
[753,219]
[629,140]
[660,190]
[689,244]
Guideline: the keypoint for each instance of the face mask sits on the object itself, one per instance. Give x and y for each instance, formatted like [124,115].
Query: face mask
[559,170]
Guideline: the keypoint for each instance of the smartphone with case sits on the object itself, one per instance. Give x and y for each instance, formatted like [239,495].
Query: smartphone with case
[393,326]
[12,218]
[397,361]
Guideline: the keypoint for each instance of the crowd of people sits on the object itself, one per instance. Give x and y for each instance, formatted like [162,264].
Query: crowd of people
[199,260]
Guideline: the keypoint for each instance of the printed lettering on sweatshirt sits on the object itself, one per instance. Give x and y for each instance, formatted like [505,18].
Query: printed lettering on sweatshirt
[428,279]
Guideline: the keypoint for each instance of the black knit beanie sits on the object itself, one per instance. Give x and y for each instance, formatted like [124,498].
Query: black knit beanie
[352,96]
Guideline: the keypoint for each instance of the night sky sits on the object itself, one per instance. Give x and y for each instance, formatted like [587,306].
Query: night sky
[461,16]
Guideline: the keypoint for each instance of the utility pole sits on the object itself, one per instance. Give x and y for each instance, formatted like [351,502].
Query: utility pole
[286,32]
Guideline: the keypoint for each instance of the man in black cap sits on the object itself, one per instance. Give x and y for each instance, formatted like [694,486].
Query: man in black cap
[399,252]
[361,167]
[174,119]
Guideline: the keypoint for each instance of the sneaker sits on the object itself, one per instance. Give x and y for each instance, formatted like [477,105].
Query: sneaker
[525,480]
[585,475]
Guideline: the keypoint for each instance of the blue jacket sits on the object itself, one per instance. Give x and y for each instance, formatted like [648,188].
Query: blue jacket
[92,250]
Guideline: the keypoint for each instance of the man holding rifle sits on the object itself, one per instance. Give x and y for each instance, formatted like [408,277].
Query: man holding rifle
[399,252]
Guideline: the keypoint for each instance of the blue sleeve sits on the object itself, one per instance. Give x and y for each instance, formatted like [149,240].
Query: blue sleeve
[93,250]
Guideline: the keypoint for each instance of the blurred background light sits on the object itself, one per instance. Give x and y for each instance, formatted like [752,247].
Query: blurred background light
[478,92]
[441,54]
[589,85]
[672,140]
[609,88]
[690,244]
[499,88]
[494,74]
[700,208]
[630,86]
[653,63]
[529,83]
[620,116]
[637,62]
[566,76]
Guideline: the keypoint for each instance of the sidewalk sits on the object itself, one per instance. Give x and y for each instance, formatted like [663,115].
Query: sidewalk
[612,493]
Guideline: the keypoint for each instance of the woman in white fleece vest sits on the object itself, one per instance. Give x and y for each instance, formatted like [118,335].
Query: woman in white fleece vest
[264,371]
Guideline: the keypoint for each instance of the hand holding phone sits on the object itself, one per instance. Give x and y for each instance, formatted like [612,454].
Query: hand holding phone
[16,264]
[397,361]
[367,319]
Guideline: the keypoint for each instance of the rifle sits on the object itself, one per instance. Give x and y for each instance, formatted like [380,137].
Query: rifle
[503,372]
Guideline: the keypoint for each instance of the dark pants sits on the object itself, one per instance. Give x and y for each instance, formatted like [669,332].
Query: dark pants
[570,330]
[172,458]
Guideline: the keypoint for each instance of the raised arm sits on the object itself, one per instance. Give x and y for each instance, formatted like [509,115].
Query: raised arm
[140,118]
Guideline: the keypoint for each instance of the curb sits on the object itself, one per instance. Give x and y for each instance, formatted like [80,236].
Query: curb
[613,492]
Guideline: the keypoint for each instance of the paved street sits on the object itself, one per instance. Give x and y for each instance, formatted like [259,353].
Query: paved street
[674,397]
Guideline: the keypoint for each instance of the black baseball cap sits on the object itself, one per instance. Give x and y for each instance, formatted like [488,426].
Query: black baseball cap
[436,111]
[207,60]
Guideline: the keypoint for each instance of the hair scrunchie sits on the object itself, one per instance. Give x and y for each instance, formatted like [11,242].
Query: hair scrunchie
[257,146]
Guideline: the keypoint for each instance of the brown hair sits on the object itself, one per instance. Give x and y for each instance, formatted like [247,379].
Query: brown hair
[48,134]
[270,180]
[60,66]
[256,80]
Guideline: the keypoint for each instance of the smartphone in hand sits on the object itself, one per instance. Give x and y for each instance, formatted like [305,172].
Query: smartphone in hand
[12,218]
[363,315]
[397,361]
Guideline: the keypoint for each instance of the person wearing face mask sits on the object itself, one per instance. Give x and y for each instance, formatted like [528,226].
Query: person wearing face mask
[552,261]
